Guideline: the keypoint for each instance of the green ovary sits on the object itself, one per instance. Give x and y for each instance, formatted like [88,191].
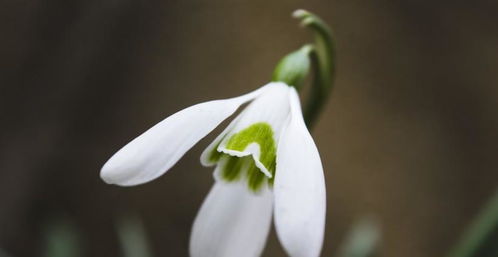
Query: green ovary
[260,133]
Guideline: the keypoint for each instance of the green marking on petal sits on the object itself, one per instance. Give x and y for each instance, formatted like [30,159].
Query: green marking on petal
[262,134]
[214,156]
[271,180]
[255,178]
[232,168]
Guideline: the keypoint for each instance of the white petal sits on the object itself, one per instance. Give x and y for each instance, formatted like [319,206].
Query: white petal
[272,108]
[232,221]
[299,189]
[205,160]
[155,151]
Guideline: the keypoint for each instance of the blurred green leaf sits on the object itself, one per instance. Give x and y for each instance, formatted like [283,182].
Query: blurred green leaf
[481,237]
[61,239]
[362,240]
[132,237]
[3,253]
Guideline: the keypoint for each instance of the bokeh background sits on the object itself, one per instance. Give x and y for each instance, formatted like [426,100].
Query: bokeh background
[409,136]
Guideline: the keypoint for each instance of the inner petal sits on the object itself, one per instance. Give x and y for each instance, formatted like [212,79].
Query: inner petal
[258,128]
[232,168]
[256,140]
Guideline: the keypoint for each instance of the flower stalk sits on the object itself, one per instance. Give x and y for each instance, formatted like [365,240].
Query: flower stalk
[293,68]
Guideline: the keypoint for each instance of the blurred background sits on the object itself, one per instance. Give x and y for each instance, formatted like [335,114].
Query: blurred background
[409,136]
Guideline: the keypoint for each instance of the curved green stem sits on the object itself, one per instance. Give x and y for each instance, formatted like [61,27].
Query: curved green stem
[294,67]
[323,63]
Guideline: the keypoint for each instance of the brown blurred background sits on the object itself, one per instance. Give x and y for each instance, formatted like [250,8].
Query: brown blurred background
[409,136]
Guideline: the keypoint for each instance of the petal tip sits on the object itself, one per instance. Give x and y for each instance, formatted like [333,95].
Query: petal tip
[108,174]
[114,174]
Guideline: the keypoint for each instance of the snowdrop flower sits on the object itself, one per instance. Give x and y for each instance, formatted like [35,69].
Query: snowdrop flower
[265,163]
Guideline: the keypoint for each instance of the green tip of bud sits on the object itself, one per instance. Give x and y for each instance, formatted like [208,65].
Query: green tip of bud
[294,67]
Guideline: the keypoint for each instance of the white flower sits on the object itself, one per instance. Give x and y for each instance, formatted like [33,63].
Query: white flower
[266,161]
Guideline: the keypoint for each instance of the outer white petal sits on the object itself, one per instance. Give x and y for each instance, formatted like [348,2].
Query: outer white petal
[213,146]
[271,107]
[299,189]
[232,221]
[155,151]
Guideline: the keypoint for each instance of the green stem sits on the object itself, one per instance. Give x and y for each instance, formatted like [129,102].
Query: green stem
[323,63]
